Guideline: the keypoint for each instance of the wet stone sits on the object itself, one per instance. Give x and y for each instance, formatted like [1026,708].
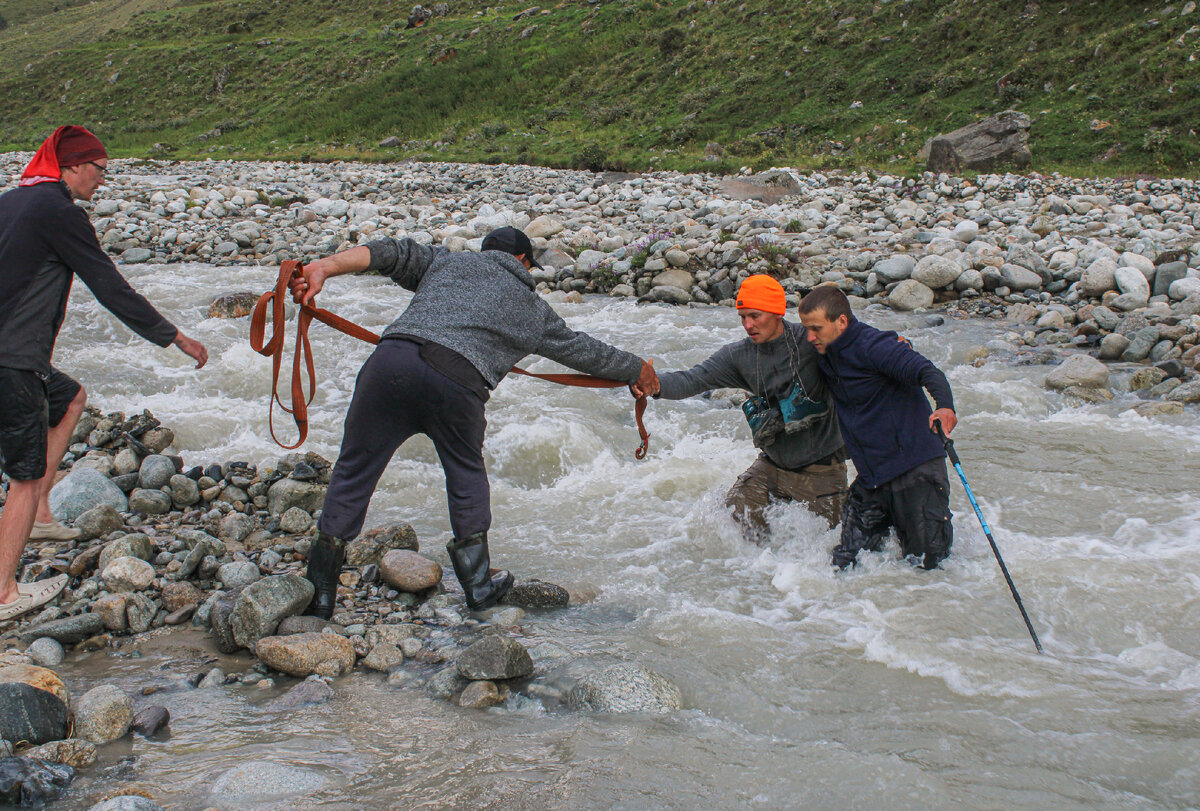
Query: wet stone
[75,753]
[150,721]
[28,782]
[30,714]
[371,546]
[537,594]
[313,690]
[103,714]
[494,657]
[68,630]
[625,688]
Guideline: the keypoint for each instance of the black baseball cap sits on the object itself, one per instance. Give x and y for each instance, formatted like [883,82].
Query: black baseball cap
[510,240]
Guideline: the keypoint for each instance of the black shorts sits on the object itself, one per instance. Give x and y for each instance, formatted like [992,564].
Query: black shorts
[29,406]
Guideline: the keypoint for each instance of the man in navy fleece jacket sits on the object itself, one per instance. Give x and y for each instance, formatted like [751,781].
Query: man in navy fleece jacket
[878,383]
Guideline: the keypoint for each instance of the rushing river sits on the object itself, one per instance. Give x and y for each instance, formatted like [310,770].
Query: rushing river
[885,687]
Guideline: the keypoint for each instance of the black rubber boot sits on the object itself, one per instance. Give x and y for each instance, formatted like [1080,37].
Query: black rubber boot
[324,565]
[471,561]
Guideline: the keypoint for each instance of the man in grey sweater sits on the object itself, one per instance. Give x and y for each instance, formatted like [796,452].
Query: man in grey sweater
[792,421]
[472,318]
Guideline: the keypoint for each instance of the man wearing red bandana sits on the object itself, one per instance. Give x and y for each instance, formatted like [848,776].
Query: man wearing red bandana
[45,241]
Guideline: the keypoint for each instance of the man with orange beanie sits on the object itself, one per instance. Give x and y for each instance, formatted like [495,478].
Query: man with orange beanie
[45,241]
[791,420]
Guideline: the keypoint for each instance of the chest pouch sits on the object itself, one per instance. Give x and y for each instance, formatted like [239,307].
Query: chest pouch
[766,422]
[799,412]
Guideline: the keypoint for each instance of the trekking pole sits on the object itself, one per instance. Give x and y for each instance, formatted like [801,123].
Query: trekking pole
[949,445]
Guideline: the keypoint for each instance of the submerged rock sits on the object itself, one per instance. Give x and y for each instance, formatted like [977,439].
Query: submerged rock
[625,688]
[260,780]
[26,781]
[494,657]
[307,693]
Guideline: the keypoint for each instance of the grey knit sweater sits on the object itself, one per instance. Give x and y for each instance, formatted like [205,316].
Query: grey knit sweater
[483,306]
[767,370]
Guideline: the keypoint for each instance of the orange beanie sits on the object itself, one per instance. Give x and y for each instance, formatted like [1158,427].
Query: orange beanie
[761,292]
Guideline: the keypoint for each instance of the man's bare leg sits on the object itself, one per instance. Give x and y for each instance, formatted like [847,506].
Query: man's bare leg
[15,523]
[57,439]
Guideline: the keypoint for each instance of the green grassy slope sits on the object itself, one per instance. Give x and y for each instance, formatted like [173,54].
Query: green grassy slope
[1113,87]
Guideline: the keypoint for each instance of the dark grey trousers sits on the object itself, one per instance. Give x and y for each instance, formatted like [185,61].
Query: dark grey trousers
[398,394]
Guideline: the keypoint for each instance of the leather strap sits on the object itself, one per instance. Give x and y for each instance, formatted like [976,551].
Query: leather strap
[274,299]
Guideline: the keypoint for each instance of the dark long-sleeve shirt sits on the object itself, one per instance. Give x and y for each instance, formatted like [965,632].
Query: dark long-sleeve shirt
[767,370]
[45,241]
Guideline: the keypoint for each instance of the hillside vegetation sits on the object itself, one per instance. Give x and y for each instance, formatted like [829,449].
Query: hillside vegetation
[1113,87]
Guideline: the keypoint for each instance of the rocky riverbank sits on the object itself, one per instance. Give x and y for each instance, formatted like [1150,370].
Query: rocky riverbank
[222,549]
[1108,268]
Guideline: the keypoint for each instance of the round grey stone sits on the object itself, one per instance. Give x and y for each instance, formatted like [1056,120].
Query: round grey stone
[156,471]
[237,573]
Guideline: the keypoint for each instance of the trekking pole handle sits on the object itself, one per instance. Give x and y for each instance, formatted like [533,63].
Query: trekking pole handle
[947,443]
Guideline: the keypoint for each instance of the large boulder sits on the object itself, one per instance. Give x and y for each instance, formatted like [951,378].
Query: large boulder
[895,268]
[625,688]
[232,305]
[371,546]
[103,714]
[258,781]
[1098,278]
[26,781]
[494,657]
[287,493]
[305,654]
[409,571]
[910,295]
[769,187]
[133,545]
[1020,278]
[127,574]
[262,604]
[81,490]
[936,272]
[1078,370]
[996,141]
[98,521]
[33,704]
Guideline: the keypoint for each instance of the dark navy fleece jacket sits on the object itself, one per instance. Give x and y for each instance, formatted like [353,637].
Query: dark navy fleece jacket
[877,381]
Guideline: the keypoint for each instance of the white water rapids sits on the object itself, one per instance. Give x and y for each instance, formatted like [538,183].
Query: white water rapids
[885,687]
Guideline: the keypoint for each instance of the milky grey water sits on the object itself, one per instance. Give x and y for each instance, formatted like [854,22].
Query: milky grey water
[884,687]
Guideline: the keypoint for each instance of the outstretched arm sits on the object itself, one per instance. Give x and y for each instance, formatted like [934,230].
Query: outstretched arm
[192,348]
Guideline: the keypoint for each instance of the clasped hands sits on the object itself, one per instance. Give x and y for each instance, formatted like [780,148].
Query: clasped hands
[647,384]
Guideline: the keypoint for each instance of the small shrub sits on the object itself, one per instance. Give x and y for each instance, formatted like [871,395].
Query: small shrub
[591,157]
[794,227]
[493,129]
[671,41]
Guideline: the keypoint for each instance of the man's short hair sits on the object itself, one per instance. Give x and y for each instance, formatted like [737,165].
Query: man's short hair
[829,300]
